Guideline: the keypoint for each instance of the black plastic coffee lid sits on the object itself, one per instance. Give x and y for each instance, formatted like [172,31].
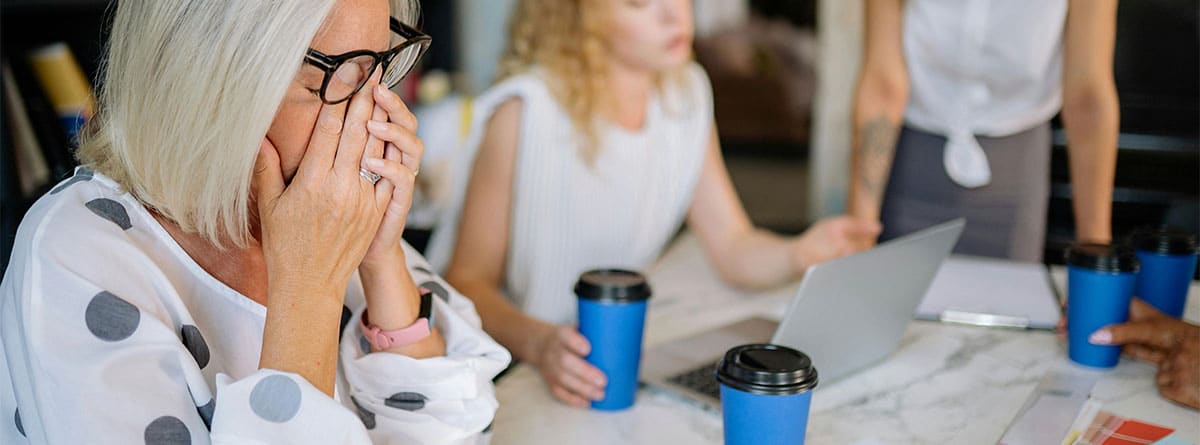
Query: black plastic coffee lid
[767,369]
[1163,240]
[1102,257]
[612,285]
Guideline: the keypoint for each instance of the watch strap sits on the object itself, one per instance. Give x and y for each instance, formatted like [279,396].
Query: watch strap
[421,328]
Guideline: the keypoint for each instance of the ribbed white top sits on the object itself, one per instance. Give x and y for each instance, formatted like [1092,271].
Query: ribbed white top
[568,216]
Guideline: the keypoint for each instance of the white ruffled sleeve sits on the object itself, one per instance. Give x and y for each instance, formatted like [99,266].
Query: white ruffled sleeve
[448,399]
[98,346]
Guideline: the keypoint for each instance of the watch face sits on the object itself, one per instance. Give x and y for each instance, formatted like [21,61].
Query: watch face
[420,329]
[426,310]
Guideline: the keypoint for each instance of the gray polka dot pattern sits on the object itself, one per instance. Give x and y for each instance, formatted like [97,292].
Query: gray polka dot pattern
[367,417]
[167,430]
[17,420]
[437,289]
[408,401]
[206,412]
[80,176]
[110,210]
[195,344]
[275,398]
[110,318]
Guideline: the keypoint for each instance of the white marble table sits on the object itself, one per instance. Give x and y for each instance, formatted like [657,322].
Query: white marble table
[946,383]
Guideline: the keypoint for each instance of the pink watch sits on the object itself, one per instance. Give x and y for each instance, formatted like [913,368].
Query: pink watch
[382,340]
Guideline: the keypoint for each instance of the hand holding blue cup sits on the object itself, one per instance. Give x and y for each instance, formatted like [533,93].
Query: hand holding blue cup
[612,315]
[766,391]
[1100,283]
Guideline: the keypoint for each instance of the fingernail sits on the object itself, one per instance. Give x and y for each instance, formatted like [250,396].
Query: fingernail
[373,163]
[1101,337]
[376,126]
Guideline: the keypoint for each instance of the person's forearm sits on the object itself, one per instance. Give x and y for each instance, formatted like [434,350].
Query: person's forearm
[756,259]
[874,146]
[300,333]
[394,302]
[879,100]
[501,319]
[1092,120]
[877,119]
[1090,114]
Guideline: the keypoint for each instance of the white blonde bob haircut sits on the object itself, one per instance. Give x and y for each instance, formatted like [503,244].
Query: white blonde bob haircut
[188,90]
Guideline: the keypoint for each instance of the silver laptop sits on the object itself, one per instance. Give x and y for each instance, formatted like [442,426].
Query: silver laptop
[848,313]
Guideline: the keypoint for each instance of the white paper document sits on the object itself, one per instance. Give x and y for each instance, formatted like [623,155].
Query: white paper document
[991,292]
[1051,409]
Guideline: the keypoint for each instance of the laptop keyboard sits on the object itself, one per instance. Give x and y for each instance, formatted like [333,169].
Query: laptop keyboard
[702,380]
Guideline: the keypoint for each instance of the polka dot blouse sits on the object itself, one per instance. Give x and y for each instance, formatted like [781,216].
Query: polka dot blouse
[111,333]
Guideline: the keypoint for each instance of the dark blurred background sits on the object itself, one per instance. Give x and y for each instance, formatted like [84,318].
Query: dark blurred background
[762,68]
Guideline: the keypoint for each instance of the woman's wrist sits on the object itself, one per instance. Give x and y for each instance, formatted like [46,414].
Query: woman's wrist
[393,303]
[531,349]
[392,297]
[283,289]
[1101,235]
[798,256]
[295,337]
[384,260]
[864,206]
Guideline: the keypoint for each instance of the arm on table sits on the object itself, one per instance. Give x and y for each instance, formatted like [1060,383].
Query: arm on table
[751,257]
[479,262]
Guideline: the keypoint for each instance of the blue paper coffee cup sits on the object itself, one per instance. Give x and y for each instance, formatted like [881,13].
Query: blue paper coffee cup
[1100,281]
[612,314]
[1168,261]
[766,391]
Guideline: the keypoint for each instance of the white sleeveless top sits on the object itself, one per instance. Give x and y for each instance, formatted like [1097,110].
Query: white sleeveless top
[568,217]
[982,67]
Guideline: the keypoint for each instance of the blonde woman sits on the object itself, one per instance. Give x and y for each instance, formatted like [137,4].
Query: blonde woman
[239,208]
[596,146]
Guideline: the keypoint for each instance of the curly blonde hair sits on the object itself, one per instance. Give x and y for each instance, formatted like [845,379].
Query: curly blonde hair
[565,39]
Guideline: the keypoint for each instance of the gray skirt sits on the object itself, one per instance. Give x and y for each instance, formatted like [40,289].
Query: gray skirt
[1005,219]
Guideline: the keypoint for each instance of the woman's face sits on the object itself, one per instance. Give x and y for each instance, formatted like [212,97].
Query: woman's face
[351,25]
[652,35]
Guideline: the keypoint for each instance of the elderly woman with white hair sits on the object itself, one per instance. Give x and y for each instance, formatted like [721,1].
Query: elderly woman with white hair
[226,265]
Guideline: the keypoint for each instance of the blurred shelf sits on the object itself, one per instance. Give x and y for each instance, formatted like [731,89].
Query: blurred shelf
[1144,142]
[19,6]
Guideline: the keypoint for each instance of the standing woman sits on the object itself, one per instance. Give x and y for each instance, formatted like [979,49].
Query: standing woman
[591,152]
[952,118]
[207,275]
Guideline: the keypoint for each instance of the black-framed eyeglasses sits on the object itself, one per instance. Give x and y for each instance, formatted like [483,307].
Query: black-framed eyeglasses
[346,73]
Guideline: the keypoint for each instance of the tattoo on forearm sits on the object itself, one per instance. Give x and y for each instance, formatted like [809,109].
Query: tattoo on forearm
[876,143]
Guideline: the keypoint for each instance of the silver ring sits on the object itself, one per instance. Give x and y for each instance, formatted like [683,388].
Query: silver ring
[370,176]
